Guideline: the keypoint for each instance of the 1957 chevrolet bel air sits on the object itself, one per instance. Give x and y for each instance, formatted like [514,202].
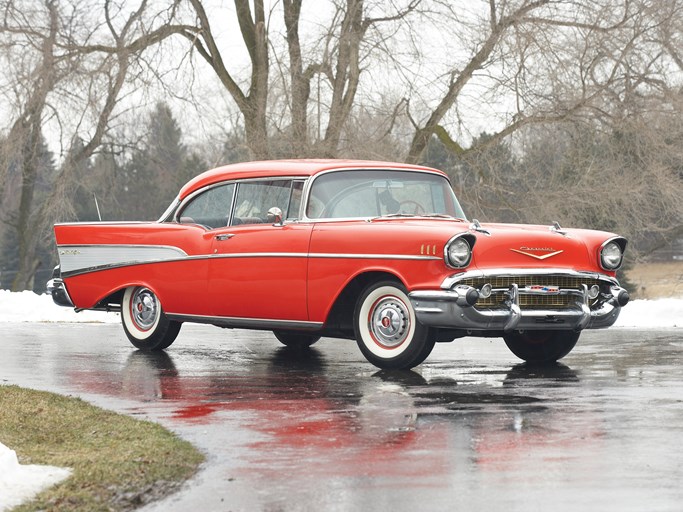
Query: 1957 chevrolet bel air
[373,251]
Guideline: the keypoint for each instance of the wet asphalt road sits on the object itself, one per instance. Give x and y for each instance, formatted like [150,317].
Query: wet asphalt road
[470,429]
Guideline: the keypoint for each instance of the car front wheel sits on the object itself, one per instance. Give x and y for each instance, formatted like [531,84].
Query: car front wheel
[144,322]
[387,330]
[541,346]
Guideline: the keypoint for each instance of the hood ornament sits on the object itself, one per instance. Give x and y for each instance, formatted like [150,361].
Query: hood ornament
[556,228]
[476,226]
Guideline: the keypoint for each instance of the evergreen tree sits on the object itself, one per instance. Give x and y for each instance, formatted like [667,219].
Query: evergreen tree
[156,171]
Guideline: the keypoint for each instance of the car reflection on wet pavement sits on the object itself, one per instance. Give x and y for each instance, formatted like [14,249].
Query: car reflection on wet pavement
[323,430]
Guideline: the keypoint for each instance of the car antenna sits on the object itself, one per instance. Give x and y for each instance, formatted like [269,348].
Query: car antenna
[97,207]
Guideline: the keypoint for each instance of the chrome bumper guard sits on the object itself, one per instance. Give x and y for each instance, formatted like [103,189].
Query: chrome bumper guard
[455,308]
[60,296]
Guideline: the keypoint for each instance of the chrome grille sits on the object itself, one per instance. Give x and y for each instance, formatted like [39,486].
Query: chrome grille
[530,301]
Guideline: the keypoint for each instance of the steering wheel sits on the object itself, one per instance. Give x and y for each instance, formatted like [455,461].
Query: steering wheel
[419,209]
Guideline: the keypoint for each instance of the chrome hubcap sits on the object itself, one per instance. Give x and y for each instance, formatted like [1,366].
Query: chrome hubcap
[389,322]
[144,308]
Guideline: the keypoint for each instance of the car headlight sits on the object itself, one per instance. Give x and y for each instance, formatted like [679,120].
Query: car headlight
[458,253]
[611,256]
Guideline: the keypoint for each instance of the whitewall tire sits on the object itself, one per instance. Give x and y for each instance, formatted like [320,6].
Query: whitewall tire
[387,330]
[144,321]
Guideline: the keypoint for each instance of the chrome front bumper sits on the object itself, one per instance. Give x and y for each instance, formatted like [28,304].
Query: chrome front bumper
[60,295]
[456,308]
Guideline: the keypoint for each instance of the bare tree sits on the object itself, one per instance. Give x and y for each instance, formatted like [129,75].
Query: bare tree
[334,59]
[542,61]
[71,63]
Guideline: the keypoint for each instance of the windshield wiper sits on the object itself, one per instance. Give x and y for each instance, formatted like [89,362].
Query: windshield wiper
[442,216]
[393,215]
[416,215]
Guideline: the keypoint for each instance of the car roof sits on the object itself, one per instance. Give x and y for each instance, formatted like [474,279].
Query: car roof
[286,168]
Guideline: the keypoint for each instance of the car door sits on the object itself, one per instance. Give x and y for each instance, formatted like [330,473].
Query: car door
[258,265]
[184,283]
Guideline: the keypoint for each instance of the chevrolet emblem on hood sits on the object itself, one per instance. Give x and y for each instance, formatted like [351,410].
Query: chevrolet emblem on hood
[529,251]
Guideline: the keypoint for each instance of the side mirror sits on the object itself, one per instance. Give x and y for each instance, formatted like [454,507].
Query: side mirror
[275,216]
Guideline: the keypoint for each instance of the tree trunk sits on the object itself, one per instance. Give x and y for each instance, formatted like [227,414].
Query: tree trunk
[26,226]
[256,135]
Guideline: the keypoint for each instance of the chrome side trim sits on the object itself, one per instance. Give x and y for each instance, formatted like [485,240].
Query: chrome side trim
[251,255]
[318,255]
[247,323]
[374,256]
[180,255]
[450,281]
[79,258]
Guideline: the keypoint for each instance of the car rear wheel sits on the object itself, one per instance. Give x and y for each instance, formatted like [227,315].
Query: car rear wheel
[387,331]
[541,346]
[295,339]
[144,321]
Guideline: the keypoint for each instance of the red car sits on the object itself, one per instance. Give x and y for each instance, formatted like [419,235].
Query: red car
[374,251]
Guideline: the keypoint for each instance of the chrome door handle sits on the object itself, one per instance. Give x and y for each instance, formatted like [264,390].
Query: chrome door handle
[226,236]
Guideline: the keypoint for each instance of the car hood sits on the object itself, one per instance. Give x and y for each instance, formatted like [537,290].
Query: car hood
[521,245]
[526,246]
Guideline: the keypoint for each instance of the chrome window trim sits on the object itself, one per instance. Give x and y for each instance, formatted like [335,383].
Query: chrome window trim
[311,180]
[172,208]
[327,220]
[451,281]
[289,218]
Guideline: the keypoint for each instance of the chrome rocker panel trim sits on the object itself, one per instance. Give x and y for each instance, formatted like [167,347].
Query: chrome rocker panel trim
[247,323]
[455,308]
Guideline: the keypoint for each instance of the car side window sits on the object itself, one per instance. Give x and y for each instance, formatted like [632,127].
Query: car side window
[211,208]
[255,198]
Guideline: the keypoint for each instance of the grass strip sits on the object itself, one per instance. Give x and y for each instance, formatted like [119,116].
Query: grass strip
[118,462]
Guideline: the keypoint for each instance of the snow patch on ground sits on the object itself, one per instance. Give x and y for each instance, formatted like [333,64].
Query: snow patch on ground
[652,313]
[30,307]
[20,483]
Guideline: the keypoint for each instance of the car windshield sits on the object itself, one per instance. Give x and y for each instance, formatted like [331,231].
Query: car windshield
[378,192]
